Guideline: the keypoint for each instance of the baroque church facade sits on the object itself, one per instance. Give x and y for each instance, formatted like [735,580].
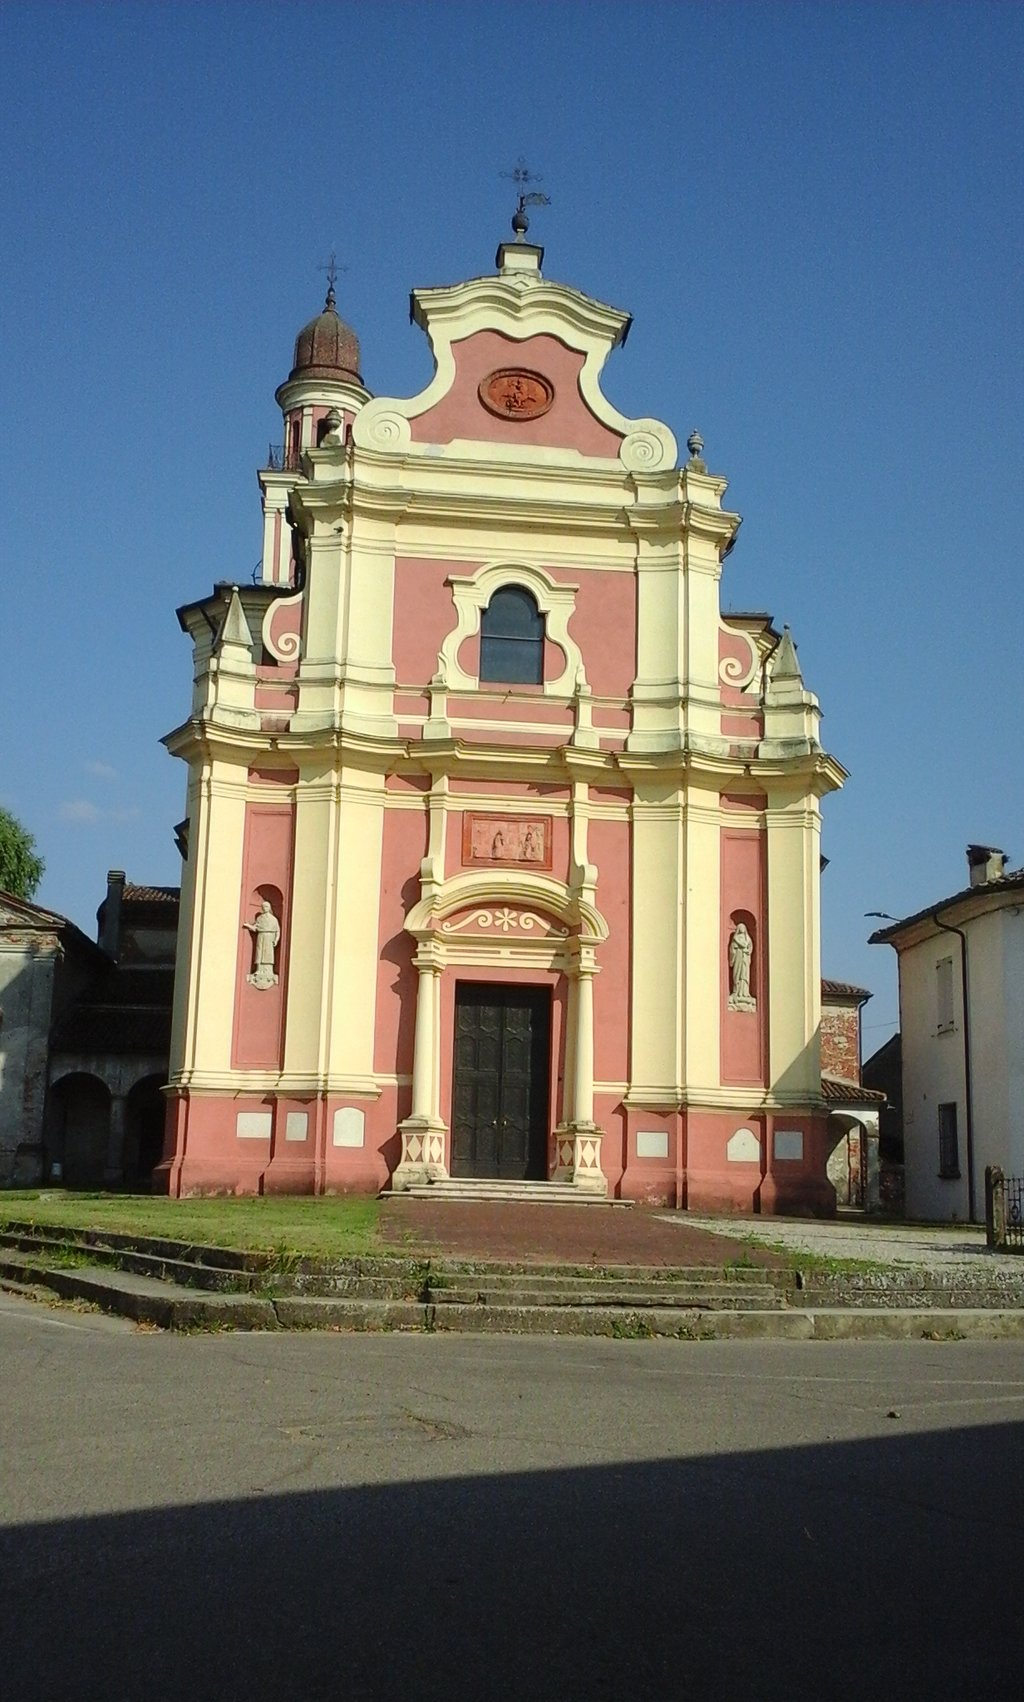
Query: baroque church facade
[502,841]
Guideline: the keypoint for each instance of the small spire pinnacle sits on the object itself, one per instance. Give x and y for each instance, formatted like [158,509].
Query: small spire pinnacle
[784,662]
[521,176]
[695,444]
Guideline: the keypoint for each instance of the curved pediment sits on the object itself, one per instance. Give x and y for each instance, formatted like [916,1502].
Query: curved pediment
[518,367]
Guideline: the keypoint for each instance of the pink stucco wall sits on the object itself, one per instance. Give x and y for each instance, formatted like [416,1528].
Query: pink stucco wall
[568,423]
[405,845]
[258,1034]
[744,1036]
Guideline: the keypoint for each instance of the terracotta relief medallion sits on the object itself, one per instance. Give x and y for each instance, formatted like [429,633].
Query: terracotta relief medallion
[508,840]
[515,394]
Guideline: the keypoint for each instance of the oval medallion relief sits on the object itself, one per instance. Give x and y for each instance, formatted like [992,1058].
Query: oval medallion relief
[515,394]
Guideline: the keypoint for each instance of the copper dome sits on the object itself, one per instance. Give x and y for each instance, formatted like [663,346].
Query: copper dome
[327,347]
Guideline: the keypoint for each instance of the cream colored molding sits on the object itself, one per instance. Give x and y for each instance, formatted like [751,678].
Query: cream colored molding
[555,599]
[502,919]
[498,890]
[288,647]
[731,670]
[241,1084]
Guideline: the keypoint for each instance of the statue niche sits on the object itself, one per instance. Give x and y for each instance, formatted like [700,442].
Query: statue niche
[741,960]
[266,934]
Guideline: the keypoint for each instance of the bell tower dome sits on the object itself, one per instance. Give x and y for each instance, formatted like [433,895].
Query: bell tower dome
[324,380]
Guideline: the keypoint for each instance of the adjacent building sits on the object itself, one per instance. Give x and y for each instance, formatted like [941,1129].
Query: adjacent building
[961,970]
[503,842]
[84,1035]
[854,1108]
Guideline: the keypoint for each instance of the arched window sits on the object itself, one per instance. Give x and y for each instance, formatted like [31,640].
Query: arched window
[512,638]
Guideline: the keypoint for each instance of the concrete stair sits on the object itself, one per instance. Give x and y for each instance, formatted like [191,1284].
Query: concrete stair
[494,1188]
[179,1285]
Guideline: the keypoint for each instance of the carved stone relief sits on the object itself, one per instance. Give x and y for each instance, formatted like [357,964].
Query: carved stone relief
[508,840]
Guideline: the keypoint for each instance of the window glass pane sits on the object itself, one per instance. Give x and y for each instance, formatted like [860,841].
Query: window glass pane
[512,639]
[511,661]
[512,613]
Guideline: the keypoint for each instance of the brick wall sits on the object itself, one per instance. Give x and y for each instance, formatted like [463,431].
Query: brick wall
[840,1041]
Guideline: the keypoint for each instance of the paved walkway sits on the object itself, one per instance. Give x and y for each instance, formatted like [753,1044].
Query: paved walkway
[596,1235]
[579,1235]
[933,1247]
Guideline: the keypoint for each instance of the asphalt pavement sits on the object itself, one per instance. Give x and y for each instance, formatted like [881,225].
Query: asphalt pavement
[319,1516]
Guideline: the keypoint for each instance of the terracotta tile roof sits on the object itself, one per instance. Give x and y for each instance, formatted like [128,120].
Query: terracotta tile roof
[849,1092]
[843,990]
[1006,883]
[150,894]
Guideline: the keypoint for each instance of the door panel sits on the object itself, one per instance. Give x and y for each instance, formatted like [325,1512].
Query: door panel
[502,1059]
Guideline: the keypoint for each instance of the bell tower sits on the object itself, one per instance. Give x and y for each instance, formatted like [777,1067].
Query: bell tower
[318,400]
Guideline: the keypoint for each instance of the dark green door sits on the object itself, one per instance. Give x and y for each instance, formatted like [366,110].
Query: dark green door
[500,1087]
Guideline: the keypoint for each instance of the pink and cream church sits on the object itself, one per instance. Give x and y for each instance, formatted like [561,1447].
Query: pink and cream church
[502,840]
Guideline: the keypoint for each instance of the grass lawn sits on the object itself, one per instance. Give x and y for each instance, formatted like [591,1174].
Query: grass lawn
[325,1227]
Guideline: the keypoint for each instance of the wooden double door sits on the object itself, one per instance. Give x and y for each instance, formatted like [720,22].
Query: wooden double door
[500,1088]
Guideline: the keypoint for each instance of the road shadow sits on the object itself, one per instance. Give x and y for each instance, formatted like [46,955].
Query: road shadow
[874,1569]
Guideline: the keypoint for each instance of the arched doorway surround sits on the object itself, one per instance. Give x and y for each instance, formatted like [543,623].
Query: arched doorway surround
[853,1160]
[522,927]
[144,1119]
[78,1114]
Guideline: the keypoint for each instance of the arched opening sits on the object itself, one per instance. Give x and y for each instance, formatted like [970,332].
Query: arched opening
[512,639]
[144,1115]
[78,1131]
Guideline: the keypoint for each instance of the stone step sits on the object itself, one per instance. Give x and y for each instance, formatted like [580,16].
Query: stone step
[543,1271]
[68,1249]
[495,1189]
[785,1323]
[940,1296]
[449,1274]
[710,1297]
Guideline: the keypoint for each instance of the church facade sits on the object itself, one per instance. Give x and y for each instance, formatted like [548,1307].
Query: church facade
[502,841]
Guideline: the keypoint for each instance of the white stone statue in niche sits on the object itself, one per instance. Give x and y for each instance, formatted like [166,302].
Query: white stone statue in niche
[266,933]
[741,952]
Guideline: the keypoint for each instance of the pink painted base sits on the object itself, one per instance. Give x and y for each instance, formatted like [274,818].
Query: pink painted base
[204,1154]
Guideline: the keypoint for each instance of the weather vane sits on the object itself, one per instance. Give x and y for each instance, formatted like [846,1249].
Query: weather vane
[331,267]
[521,176]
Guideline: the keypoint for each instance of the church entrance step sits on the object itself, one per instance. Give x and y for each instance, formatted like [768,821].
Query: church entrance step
[496,1188]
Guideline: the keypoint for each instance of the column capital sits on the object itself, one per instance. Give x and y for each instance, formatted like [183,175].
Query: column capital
[429,956]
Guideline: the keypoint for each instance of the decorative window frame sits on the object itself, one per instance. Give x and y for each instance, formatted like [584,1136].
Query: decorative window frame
[555,599]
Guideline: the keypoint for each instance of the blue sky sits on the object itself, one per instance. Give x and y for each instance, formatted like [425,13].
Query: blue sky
[813,212]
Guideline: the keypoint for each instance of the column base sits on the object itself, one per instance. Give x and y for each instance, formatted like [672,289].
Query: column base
[578,1157]
[422,1160]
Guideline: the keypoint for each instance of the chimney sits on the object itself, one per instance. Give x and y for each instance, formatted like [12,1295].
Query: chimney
[110,914]
[985,863]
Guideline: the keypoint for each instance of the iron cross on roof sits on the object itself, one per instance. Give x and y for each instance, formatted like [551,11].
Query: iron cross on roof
[331,267]
[522,176]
